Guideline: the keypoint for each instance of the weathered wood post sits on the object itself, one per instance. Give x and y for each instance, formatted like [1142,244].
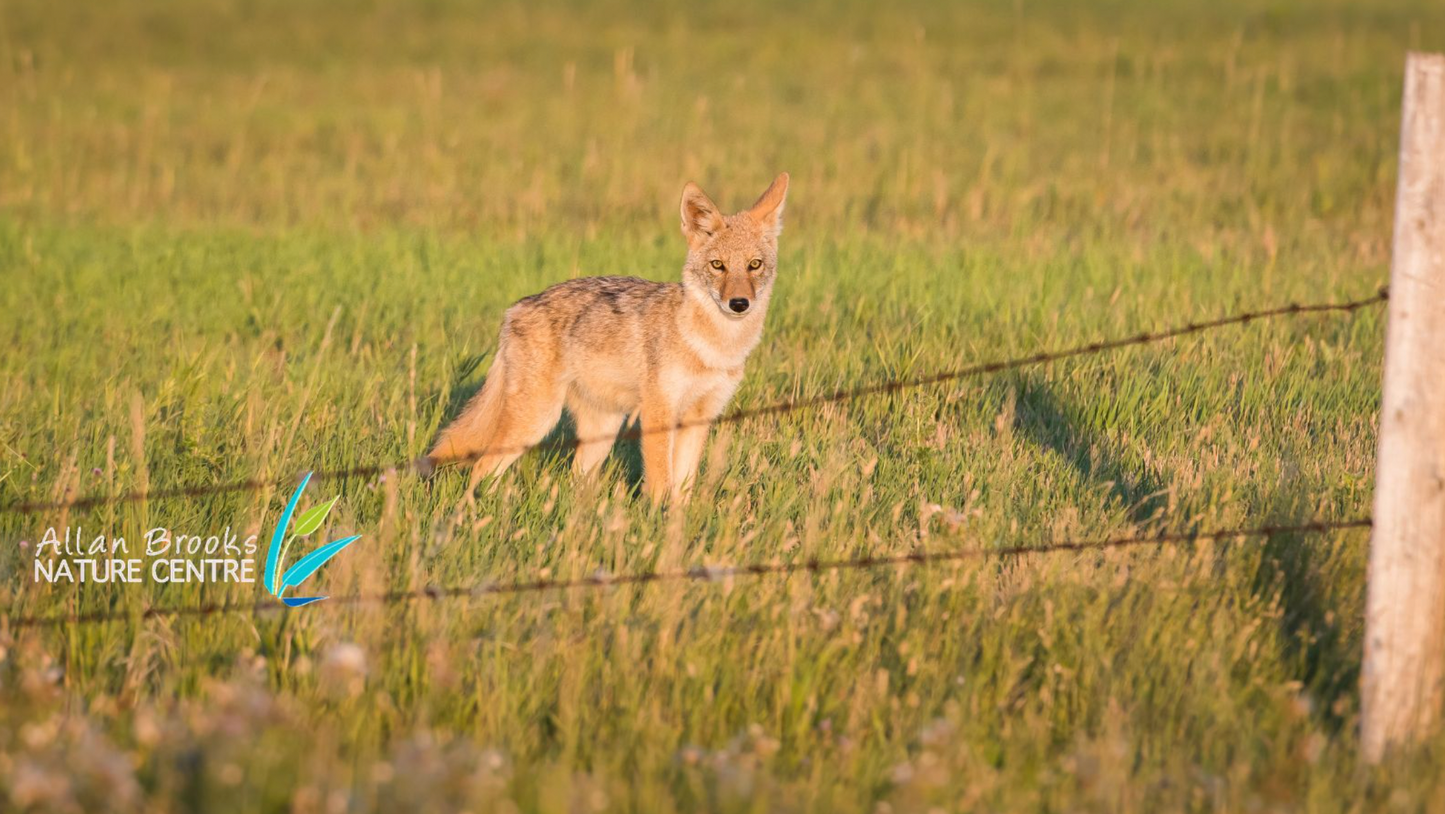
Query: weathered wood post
[1403,681]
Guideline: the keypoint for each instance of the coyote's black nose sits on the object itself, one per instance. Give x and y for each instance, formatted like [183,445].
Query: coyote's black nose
[738,304]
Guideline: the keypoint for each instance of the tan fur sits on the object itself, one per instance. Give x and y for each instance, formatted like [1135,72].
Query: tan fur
[610,347]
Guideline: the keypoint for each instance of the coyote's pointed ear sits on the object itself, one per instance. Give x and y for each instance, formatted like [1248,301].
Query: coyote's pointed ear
[700,216]
[768,211]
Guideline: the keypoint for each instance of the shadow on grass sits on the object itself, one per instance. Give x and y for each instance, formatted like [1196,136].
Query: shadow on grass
[1041,418]
[1323,659]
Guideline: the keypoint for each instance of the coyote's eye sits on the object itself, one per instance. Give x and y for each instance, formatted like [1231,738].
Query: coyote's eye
[718,264]
[755,264]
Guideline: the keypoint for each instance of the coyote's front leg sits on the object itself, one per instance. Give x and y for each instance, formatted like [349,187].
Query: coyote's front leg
[659,421]
[692,435]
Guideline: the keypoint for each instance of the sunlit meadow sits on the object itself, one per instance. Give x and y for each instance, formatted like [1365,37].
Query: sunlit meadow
[247,238]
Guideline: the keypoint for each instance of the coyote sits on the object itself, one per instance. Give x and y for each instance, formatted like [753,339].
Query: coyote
[608,348]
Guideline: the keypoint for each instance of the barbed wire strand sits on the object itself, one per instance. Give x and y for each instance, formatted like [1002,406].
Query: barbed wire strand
[700,573]
[636,433]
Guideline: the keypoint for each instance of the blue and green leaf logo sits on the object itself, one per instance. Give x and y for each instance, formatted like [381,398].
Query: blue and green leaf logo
[277,581]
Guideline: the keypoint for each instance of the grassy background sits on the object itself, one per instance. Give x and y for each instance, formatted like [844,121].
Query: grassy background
[244,239]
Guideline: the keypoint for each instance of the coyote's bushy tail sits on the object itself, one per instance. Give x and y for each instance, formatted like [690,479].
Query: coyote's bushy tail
[467,437]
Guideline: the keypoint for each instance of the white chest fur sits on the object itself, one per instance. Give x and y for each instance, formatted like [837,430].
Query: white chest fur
[720,342]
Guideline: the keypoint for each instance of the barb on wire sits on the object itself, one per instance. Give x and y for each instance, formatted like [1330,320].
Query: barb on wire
[635,433]
[702,573]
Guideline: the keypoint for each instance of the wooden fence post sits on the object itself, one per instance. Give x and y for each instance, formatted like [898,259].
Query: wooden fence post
[1403,681]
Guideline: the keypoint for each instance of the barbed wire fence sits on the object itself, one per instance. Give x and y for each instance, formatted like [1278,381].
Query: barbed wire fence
[712,573]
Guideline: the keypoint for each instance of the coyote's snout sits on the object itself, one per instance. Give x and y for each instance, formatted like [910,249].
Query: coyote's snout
[610,347]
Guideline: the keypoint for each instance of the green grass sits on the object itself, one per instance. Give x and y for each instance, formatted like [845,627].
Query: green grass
[255,238]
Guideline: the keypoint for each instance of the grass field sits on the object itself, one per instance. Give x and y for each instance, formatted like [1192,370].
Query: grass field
[246,238]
